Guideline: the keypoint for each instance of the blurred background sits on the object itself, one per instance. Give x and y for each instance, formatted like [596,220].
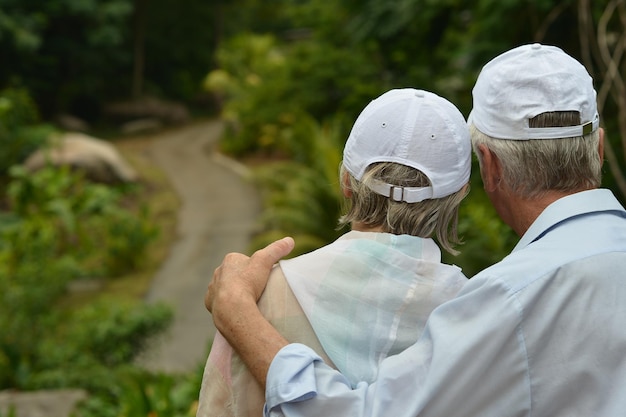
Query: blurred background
[286,78]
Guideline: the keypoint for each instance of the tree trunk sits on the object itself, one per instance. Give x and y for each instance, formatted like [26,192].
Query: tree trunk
[138,48]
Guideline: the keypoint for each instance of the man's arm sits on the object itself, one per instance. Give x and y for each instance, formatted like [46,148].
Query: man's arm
[231,297]
[470,360]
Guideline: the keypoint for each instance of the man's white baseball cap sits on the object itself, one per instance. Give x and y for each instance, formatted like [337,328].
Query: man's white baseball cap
[414,128]
[529,80]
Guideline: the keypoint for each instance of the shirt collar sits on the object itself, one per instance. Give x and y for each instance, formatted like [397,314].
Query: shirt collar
[567,207]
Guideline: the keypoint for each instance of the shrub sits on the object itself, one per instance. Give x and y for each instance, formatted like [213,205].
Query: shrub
[140,393]
[96,340]
[32,278]
[302,198]
[88,218]
[270,89]
[20,129]
[63,228]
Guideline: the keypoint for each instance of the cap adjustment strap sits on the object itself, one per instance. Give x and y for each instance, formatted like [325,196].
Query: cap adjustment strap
[399,193]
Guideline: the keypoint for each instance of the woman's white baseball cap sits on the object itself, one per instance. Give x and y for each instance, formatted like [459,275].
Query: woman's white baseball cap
[529,80]
[414,128]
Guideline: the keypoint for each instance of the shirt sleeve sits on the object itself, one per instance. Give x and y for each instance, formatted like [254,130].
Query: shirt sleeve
[293,368]
[302,375]
[470,360]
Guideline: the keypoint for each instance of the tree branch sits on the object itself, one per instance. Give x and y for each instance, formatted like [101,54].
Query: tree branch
[550,18]
[596,49]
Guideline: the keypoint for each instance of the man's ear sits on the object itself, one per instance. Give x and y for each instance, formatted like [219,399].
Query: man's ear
[490,168]
[345,185]
[601,146]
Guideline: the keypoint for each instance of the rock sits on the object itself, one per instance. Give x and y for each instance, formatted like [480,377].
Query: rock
[98,159]
[72,123]
[53,403]
[141,126]
[148,107]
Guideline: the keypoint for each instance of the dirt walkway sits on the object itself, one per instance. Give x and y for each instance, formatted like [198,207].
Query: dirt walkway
[217,216]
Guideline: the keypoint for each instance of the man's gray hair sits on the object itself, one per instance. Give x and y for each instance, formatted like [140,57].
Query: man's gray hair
[426,219]
[534,167]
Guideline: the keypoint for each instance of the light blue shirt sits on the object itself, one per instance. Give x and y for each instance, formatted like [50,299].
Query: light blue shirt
[541,333]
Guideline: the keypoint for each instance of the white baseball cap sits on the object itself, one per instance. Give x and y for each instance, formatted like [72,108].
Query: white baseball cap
[529,80]
[414,128]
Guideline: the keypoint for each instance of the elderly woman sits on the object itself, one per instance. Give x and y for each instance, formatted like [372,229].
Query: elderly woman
[367,295]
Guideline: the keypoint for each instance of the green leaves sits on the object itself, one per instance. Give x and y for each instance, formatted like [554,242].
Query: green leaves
[86,219]
[271,89]
[141,394]
[22,29]
[20,131]
[302,197]
[63,228]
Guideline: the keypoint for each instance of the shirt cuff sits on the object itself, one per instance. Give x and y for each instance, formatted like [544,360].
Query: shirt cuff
[291,376]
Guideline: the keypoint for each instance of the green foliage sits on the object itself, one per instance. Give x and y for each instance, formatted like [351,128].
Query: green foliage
[179,41]
[32,277]
[86,218]
[94,340]
[247,63]
[486,239]
[117,340]
[66,51]
[126,239]
[297,203]
[21,28]
[302,199]
[270,88]
[75,56]
[26,26]
[63,228]
[17,109]
[139,393]
[20,131]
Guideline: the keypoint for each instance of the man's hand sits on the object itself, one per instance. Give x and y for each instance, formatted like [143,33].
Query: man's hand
[243,276]
[231,297]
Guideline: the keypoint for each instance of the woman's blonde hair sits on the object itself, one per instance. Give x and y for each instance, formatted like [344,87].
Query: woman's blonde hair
[438,217]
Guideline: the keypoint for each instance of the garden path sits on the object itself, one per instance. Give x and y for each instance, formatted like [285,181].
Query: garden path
[217,215]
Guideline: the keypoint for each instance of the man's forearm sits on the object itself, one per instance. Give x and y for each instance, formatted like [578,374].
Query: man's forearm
[231,297]
[252,336]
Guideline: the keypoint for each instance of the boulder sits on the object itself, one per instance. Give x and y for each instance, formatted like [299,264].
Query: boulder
[148,124]
[168,112]
[98,159]
[73,123]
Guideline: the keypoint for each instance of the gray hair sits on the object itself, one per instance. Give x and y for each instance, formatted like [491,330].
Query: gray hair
[424,219]
[534,167]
